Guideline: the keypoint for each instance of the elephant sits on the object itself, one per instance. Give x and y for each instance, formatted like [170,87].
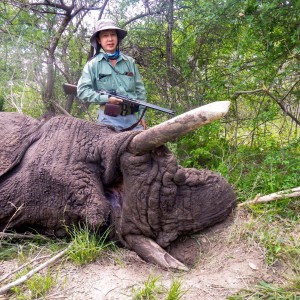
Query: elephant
[66,171]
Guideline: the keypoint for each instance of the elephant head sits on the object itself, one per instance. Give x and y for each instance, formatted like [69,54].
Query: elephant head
[65,171]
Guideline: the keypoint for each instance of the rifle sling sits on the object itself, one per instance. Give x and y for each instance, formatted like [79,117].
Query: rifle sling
[136,123]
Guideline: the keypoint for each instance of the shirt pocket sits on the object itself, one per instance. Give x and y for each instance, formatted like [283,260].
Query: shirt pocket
[128,82]
[104,80]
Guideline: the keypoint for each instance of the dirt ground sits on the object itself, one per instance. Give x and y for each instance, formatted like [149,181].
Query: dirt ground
[224,265]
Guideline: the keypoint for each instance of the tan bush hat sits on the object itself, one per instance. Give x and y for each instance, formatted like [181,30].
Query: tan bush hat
[105,24]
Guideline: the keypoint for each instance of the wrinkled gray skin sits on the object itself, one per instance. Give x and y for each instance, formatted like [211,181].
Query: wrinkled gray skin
[65,171]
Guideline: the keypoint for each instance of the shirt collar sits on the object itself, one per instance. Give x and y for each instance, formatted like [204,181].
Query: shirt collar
[100,56]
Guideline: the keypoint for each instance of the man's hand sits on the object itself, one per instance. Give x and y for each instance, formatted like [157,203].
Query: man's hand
[114,100]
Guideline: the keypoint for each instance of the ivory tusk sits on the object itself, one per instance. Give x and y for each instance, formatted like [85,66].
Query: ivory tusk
[178,126]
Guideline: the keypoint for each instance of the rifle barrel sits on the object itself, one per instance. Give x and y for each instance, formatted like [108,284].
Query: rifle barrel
[71,89]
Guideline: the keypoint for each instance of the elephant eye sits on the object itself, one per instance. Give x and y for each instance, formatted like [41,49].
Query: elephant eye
[179,177]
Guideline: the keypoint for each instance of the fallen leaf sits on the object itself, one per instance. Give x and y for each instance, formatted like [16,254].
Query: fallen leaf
[253,266]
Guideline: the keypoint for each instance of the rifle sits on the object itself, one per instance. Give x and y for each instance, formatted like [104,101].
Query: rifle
[71,89]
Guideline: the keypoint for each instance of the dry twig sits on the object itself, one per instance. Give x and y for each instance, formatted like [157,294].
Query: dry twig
[22,267]
[18,209]
[22,279]
[21,236]
[295,192]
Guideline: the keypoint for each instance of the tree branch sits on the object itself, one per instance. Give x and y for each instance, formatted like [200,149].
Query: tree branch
[283,107]
[290,90]
[279,102]
[238,93]
[157,12]
[61,109]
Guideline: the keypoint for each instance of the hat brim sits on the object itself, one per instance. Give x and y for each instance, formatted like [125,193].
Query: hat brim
[120,32]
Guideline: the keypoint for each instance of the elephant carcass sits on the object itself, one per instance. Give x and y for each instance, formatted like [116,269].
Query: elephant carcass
[66,171]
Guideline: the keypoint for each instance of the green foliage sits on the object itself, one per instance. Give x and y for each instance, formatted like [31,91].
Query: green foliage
[264,171]
[87,246]
[204,148]
[265,168]
[218,48]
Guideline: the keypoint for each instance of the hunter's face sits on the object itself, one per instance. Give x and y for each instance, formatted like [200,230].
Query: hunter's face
[108,40]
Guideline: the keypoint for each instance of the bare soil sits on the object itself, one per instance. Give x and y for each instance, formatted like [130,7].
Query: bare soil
[224,264]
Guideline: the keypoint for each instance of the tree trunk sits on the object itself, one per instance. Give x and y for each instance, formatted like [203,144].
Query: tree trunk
[169,40]
[48,92]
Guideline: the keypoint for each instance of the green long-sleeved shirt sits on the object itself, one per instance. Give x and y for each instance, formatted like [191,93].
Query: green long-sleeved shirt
[99,74]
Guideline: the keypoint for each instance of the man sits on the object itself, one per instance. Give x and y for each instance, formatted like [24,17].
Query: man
[111,70]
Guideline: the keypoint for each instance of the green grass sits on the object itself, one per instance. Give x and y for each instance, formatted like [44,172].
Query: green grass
[20,247]
[35,287]
[275,229]
[153,289]
[86,245]
[29,253]
[260,171]
[290,291]
[264,168]
[176,291]
[8,250]
[14,246]
[150,291]
[278,236]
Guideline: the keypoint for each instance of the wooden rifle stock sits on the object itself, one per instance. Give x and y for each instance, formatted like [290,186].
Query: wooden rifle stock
[70,89]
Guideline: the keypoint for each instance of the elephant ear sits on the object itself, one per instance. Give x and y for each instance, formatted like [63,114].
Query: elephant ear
[17,134]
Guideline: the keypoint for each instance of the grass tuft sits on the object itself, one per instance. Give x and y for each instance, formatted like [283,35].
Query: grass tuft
[153,289]
[175,292]
[87,245]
